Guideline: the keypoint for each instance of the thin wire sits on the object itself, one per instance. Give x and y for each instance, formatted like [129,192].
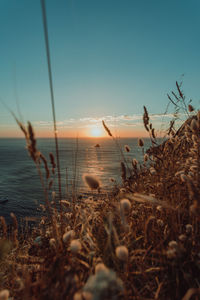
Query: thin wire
[51,91]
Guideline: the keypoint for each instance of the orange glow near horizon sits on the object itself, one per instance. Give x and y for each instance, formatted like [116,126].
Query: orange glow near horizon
[92,132]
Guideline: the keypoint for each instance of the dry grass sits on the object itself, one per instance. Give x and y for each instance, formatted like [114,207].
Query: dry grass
[140,242]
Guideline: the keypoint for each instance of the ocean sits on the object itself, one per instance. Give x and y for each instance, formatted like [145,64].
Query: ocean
[20,185]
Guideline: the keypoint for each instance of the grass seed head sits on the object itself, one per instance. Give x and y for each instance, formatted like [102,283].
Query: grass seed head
[112,180]
[173,244]
[14,220]
[87,296]
[4,227]
[140,143]
[52,242]
[100,267]
[78,296]
[68,235]
[104,285]
[91,181]
[160,222]
[194,125]
[107,129]
[83,296]
[188,228]
[75,246]
[194,138]
[198,115]
[125,205]
[52,160]
[43,158]
[171,253]
[4,294]
[190,108]
[182,237]
[123,171]
[159,208]
[122,253]
[134,162]
[194,208]
[127,148]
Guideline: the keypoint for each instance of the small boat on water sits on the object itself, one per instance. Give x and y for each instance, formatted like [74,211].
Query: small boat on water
[97,146]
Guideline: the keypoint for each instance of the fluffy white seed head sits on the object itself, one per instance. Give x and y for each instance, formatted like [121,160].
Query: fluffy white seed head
[125,205]
[122,253]
[78,296]
[75,246]
[100,267]
[87,295]
[4,294]
[82,296]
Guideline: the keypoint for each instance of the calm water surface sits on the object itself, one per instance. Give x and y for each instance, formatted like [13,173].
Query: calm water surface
[20,184]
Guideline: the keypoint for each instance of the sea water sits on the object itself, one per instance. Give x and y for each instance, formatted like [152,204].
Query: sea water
[20,183]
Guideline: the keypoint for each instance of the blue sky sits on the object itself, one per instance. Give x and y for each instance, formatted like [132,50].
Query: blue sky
[109,58]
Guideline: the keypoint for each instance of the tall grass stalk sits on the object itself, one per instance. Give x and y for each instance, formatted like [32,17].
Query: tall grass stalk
[52,93]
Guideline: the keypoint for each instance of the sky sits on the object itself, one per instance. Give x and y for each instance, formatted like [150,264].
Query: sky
[108,59]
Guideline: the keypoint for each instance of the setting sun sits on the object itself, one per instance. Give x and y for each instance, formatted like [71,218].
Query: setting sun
[96,132]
